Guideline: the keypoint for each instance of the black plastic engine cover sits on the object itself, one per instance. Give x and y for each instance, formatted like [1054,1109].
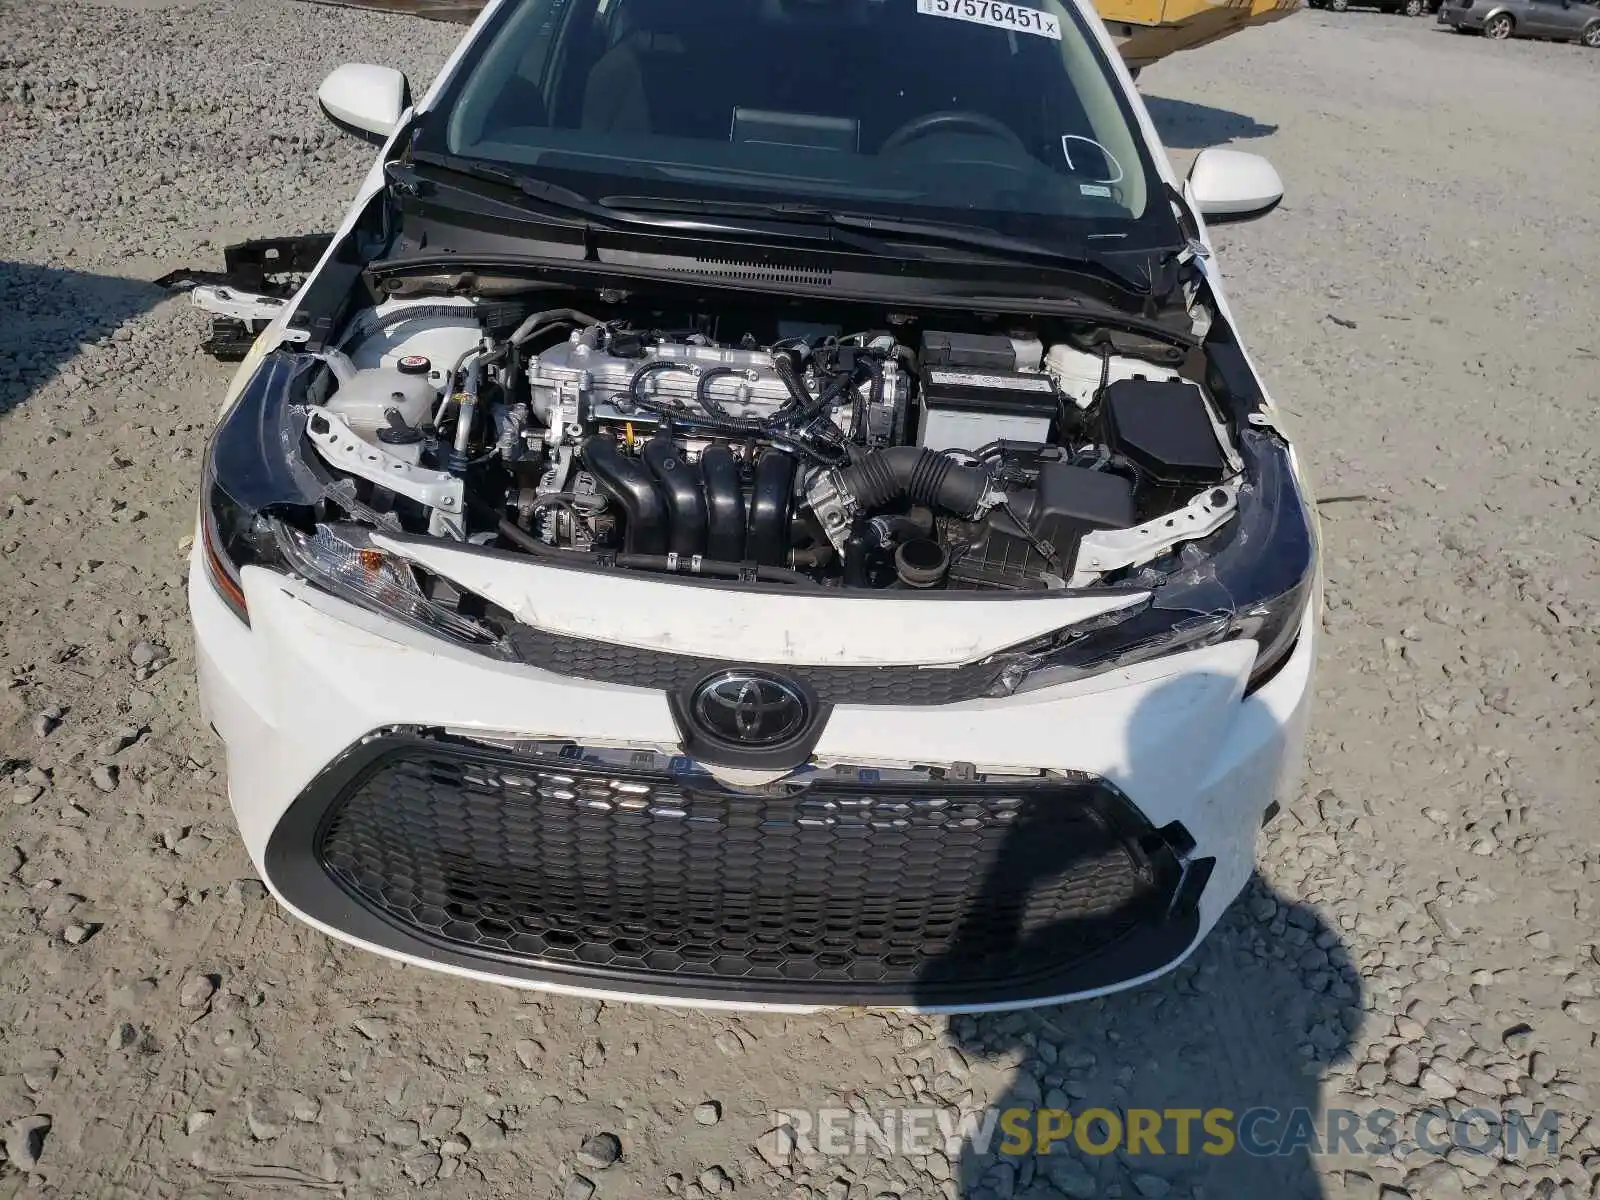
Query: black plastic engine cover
[1067,503]
[1163,428]
[974,350]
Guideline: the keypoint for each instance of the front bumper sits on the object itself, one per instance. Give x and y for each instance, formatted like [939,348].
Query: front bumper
[1164,761]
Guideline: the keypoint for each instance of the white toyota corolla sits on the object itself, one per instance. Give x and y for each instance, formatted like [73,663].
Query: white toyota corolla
[763,503]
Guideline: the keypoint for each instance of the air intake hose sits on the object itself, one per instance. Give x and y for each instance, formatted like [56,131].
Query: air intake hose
[918,474]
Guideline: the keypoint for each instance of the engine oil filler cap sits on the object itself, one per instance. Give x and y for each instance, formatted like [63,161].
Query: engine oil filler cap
[414,364]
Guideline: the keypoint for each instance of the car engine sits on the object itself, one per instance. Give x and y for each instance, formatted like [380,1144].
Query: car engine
[807,453]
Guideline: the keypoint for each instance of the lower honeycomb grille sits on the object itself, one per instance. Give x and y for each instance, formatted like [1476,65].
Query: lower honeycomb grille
[592,868]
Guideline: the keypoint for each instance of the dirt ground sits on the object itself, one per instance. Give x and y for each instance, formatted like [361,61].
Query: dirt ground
[1423,930]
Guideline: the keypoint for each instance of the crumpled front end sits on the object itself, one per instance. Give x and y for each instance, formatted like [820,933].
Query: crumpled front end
[503,821]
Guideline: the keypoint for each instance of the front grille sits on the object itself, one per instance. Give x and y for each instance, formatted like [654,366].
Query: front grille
[875,889]
[583,658]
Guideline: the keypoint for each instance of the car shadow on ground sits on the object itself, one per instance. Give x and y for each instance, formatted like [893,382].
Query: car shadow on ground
[1251,1021]
[48,313]
[1184,125]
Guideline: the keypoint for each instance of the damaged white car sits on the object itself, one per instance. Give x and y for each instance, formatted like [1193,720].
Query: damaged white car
[762,503]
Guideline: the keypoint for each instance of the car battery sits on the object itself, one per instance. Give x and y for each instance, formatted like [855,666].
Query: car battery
[965,408]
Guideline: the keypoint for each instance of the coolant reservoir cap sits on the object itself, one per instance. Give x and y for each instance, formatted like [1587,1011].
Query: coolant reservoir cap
[414,364]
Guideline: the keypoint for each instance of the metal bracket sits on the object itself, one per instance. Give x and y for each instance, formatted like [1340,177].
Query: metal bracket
[344,450]
[263,265]
[833,507]
[1112,549]
[257,279]
[240,306]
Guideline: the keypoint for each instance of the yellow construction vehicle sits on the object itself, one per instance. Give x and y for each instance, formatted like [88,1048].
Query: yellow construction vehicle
[1144,30]
[1147,30]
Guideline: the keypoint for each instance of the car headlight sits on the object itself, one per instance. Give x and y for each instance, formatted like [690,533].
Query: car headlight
[251,471]
[265,504]
[342,559]
[220,547]
[1256,586]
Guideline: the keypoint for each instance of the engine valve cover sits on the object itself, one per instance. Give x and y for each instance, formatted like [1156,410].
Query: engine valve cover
[578,376]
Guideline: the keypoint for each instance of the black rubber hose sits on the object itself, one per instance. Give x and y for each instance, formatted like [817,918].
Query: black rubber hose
[858,419]
[836,387]
[800,400]
[531,323]
[648,403]
[566,500]
[921,563]
[714,418]
[920,475]
[727,421]
[523,540]
[812,557]
[792,443]
[653,562]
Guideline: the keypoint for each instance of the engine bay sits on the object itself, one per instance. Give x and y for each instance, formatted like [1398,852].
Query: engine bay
[849,450]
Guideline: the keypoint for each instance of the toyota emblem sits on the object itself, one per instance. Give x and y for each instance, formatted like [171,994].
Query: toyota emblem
[745,708]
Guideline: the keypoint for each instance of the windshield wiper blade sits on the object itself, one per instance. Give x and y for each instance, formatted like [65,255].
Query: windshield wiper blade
[941,232]
[787,220]
[561,198]
[853,229]
[786,214]
[719,208]
[936,233]
[1003,244]
[604,212]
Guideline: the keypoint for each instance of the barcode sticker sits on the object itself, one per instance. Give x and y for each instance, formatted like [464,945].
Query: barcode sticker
[1017,17]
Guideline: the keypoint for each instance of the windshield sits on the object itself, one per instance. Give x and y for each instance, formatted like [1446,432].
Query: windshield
[991,114]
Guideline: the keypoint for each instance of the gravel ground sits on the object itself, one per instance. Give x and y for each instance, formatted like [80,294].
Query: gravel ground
[1423,928]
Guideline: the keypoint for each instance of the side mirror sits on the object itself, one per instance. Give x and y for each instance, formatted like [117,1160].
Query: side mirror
[1230,185]
[365,100]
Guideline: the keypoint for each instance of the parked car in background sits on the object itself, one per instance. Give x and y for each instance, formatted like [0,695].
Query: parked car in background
[1561,20]
[1411,8]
